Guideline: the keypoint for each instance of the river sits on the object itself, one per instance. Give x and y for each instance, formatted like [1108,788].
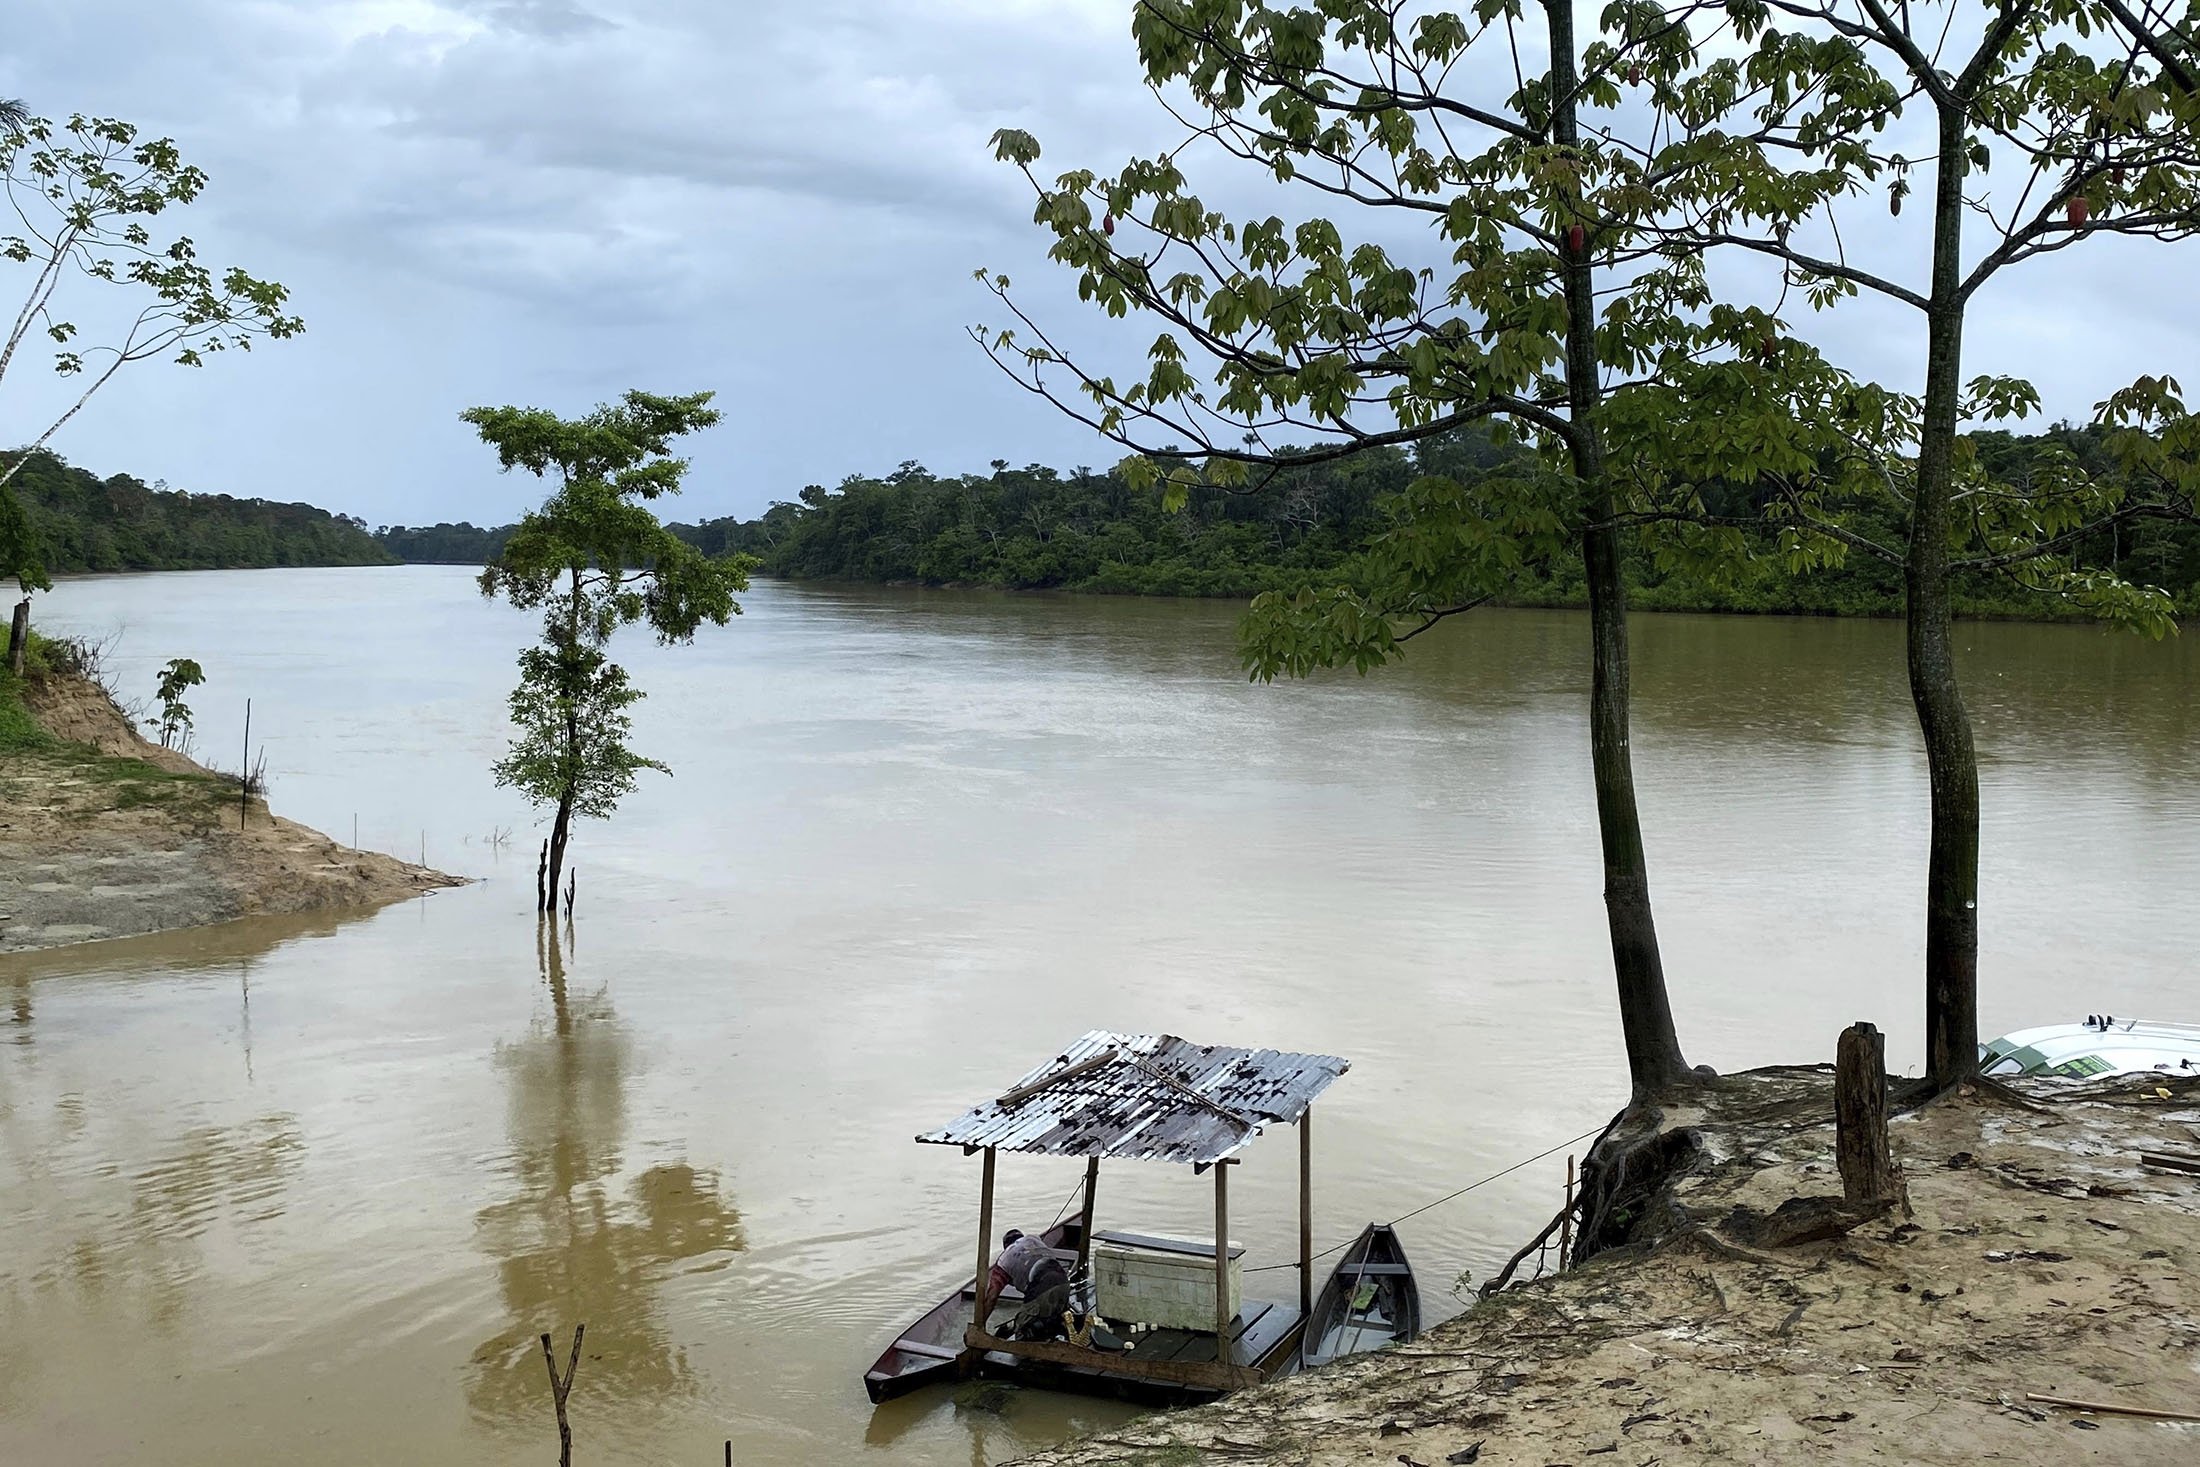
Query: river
[309,1189]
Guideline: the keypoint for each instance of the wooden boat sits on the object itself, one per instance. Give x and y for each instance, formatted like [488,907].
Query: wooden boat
[927,1351]
[1130,1097]
[1371,1300]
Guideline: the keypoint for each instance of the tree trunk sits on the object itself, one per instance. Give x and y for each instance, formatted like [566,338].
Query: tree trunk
[1654,1059]
[1951,760]
[19,636]
[558,830]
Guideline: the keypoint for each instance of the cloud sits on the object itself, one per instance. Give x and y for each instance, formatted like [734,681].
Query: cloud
[553,200]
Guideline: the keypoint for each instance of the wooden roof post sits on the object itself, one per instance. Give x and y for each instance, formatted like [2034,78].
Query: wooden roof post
[1084,1233]
[1306,1213]
[981,1308]
[1223,1352]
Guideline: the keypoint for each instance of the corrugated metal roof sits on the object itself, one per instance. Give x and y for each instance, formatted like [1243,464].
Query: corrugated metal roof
[1146,1097]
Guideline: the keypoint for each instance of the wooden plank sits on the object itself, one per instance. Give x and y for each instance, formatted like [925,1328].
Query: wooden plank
[1048,1082]
[1165,1344]
[926,1349]
[2169,1162]
[1205,1374]
[1306,1211]
[1275,1331]
[1162,1245]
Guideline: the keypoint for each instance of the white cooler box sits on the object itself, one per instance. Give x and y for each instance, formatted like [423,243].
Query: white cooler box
[1167,1282]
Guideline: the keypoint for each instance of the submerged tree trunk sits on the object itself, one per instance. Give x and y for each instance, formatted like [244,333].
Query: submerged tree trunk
[1654,1059]
[1951,760]
[558,831]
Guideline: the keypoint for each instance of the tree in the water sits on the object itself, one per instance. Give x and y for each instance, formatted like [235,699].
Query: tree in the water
[593,558]
[1517,271]
[2032,129]
[84,197]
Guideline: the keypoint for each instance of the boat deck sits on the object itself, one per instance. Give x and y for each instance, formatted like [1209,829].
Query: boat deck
[1264,1336]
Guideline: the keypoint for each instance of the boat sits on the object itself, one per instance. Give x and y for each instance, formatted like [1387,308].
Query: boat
[928,1350]
[1166,1321]
[2102,1045]
[1371,1300]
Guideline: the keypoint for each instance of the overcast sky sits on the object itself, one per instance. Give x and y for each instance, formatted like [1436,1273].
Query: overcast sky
[549,201]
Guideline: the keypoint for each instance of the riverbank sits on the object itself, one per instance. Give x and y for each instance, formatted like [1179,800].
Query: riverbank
[104,834]
[2040,1257]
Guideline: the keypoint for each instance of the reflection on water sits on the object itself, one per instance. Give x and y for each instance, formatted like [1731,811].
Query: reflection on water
[227,1175]
[572,1243]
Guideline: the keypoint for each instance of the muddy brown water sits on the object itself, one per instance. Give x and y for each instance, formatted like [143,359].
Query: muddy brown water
[308,1189]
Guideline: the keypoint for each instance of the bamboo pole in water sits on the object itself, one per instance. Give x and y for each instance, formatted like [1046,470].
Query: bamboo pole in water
[244,772]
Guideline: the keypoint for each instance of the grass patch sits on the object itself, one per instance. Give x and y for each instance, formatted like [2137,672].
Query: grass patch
[94,781]
[19,732]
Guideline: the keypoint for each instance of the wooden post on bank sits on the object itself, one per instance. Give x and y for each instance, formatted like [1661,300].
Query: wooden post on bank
[1868,1171]
[1566,1217]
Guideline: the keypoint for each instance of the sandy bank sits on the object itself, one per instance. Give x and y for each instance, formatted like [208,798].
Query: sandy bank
[105,835]
[2041,1256]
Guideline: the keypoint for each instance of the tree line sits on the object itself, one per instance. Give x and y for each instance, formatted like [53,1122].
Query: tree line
[73,520]
[1037,528]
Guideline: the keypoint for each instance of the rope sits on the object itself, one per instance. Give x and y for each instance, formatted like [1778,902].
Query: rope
[1074,1193]
[1451,1196]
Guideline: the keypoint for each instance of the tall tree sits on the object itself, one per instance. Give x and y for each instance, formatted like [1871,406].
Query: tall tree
[1536,291]
[2089,112]
[84,196]
[593,558]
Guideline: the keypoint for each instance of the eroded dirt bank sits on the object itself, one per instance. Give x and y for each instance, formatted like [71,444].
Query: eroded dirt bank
[2040,1256]
[103,834]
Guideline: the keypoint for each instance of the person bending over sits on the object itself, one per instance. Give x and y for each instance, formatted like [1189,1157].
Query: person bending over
[1039,1276]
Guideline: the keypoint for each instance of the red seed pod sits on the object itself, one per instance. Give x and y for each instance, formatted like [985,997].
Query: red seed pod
[1634,76]
[1894,205]
[1577,240]
[1767,350]
[2076,210]
[1107,224]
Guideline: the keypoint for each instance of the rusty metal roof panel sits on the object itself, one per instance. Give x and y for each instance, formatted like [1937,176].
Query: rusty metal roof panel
[1145,1097]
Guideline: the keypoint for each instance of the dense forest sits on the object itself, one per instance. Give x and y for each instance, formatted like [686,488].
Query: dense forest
[1037,528]
[78,521]
[1091,531]
[443,543]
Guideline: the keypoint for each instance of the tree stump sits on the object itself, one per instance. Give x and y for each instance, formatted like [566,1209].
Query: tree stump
[1868,1172]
